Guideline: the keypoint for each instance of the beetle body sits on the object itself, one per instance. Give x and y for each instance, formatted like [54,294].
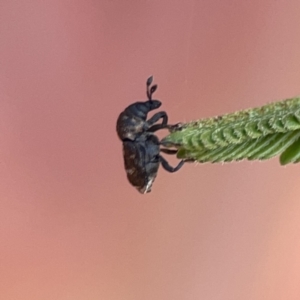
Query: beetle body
[141,159]
[134,118]
[141,147]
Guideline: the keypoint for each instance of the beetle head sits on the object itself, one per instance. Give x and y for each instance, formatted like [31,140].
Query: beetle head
[153,104]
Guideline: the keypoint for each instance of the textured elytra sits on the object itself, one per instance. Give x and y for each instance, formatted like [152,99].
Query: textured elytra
[258,133]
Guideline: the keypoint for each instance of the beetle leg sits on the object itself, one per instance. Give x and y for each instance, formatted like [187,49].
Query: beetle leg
[169,151]
[169,168]
[157,127]
[160,115]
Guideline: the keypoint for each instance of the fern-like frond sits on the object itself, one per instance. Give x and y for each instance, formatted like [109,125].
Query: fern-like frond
[258,133]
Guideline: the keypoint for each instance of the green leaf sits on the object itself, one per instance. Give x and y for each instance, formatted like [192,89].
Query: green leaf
[253,134]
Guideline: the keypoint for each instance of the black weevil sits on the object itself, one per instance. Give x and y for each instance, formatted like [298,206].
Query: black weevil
[141,147]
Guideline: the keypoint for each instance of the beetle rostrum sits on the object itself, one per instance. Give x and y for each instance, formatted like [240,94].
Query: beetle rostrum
[141,147]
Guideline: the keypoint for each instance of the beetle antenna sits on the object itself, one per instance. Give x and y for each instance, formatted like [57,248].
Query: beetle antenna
[149,80]
[150,90]
[149,96]
[148,83]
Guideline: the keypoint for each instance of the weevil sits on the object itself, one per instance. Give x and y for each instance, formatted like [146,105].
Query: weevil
[141,147]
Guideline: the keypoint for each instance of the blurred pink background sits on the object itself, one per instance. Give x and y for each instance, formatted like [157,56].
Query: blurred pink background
[71,226]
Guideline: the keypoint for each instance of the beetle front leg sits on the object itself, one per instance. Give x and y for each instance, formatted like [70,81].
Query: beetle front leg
[169,151]
[160,115]
[169,168]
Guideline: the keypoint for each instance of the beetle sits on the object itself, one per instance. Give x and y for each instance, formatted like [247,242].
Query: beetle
[141,147]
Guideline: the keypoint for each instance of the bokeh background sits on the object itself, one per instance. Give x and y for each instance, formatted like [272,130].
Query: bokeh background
[71,226]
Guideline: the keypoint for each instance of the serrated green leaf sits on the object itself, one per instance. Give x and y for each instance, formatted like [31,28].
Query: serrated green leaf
[258,133]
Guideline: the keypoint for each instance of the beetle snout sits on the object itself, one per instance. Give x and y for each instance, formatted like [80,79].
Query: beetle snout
[155,104]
